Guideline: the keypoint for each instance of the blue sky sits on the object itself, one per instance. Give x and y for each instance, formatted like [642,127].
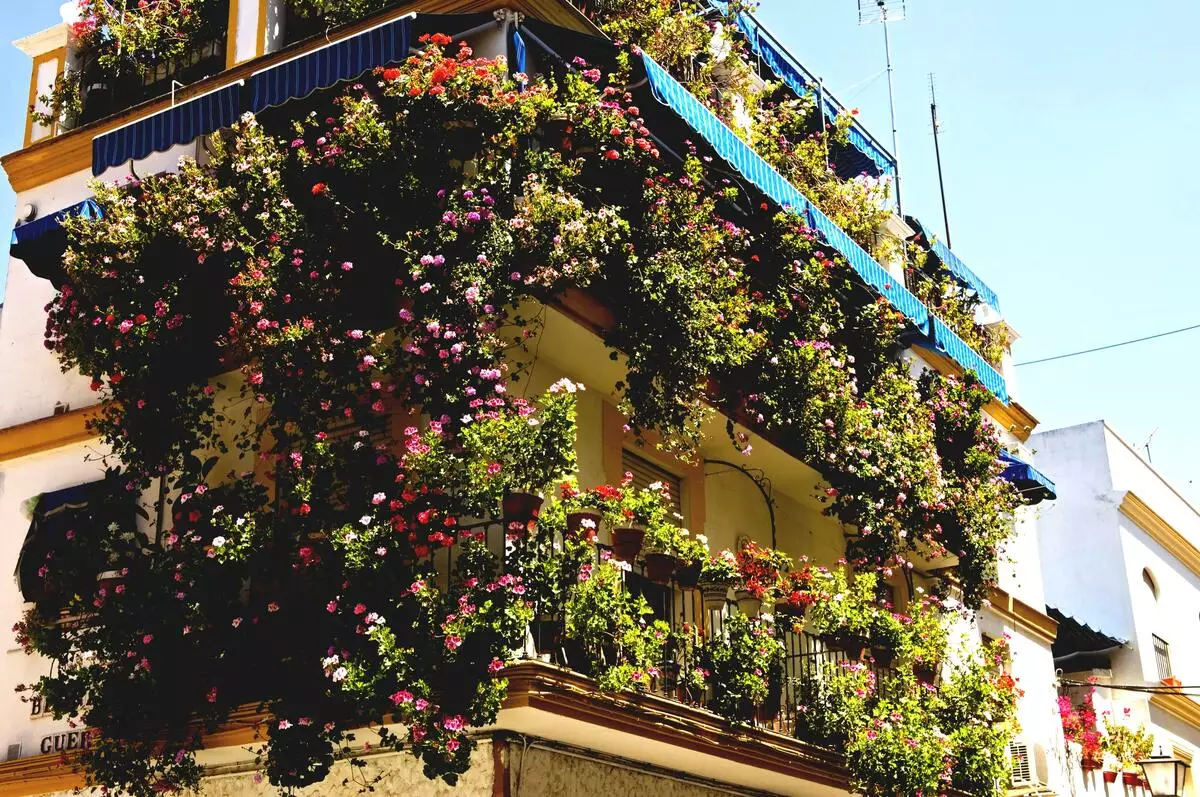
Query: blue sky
[1065,135]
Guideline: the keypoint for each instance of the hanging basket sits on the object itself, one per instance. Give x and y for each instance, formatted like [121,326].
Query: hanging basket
[520,510]
[1131,778]
[583,525]
[627,543]
[687,576]
[853,645]
[927,673]
[660,567]
[713,595]
[1110,776]
[748,603]
[786,607]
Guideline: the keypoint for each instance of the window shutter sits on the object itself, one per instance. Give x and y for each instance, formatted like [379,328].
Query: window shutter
[646,473]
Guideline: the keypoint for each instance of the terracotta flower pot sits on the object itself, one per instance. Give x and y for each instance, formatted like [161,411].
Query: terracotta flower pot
[786,606]
[660,567]
[749,604]
[688,575]
[1110,776]
[627,543]
[1131,779]
[714,595]
[583,524]
[1090,764]
[521,509]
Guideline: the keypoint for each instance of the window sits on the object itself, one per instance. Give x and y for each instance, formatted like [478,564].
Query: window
[1162,656]
[1151,584]
[646,473]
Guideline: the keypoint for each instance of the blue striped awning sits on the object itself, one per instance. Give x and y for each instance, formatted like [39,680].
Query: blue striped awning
[41,242]
[320,69]
[876,160]
[296,78]
[1032,483]
[750,165]
[181,124]
[955,266]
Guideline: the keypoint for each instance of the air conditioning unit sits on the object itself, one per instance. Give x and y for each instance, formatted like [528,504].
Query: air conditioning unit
[1028,765]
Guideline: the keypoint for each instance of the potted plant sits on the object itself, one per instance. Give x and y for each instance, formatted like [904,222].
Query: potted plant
[661,547]
[843,612]
[759,571]
[638,509]
[717,575]
[794,593]
[745,662]
[924,640]
[887,636]
[1128,746]
[623,647]
[585,509]
[693,551]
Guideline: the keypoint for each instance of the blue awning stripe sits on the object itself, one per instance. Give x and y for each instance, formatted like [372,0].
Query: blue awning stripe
[320,69]
[178,125]
[785,67]
[746,161]
[1028,479]
[38,228]
[956,267]
[519,50]
[947,341]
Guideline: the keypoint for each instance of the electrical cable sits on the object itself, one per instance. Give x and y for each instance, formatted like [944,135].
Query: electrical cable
[1110,346]
[1150,689]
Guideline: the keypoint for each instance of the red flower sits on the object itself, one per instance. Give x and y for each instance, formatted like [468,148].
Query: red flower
[391,74]
[319,189]
[611,154]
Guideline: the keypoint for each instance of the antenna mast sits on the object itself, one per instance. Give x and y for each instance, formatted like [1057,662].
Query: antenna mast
[869,12]
[938,152]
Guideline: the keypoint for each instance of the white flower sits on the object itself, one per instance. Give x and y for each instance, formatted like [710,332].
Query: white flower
[339,674]
[702,539]
[218,541]
[114,526]
[365,520]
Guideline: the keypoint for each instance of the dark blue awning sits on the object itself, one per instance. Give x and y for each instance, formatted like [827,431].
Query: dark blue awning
[955,266]
[178,125]
[1034,486]
[41,242]
[53,514]
[750,165]
[320,69]
[875,160]
[298,77]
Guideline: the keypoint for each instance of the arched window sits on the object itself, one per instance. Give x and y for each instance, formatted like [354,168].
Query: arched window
[1151,584]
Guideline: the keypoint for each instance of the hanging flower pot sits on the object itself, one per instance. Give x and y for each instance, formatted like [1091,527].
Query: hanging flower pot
[1091,763]
[927,673]
[1110,776]
[687,575]
[520,509]
[627,543]
[583,524]
[790,606]
[660,567]
[884,655]
[1131,778]
[854,646]
[749,604]
[713,595]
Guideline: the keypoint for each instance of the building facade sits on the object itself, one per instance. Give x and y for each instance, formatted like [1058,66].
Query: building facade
[555,732]
[1119,558]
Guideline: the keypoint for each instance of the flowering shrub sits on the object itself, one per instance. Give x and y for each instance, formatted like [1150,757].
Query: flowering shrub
[1079,726]
[1126,744]
[720,568]
[623,647]
[744,667]
[760,568]
[356,270]
[135,36]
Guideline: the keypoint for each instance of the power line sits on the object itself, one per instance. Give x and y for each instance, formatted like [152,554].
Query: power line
[1111,346]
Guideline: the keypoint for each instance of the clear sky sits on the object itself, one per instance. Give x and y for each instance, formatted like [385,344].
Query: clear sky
[1066,130]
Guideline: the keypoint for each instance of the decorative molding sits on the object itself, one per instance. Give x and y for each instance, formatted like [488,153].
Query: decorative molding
[1179,706]
[71,152]
[1016,612]
[1015,418]
[1161,531]
[59,55]
[45,434]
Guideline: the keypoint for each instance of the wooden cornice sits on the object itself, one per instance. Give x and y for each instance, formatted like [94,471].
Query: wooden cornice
[71,152]
[1021,615]
[1161,531]
[45,434]
[1015,418]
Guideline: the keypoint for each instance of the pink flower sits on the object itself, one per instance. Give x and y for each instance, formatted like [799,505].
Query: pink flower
[402,697]
[453,642]
[331,607]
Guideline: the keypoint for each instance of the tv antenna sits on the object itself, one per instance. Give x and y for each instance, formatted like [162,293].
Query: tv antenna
[937,128]
[884,12]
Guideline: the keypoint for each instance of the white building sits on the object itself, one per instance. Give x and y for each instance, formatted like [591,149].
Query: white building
[1120,553]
